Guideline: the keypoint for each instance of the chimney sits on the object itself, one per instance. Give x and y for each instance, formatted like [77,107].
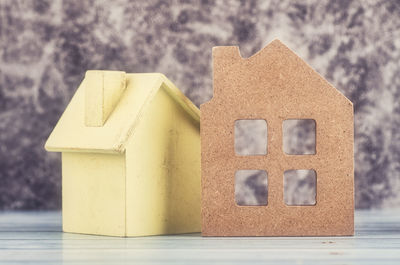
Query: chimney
[103,90]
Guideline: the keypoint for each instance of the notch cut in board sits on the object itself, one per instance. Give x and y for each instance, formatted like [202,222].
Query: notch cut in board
[251,137]
[299,137]
[300,187]
[251,187]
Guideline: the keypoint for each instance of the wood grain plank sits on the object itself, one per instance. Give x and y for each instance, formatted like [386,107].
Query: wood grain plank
[36,238]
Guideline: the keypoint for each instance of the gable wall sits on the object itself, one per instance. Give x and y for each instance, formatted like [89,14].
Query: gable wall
[163,171]
[93,190]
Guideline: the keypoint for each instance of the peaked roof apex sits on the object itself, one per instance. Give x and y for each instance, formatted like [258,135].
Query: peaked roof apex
[72,135]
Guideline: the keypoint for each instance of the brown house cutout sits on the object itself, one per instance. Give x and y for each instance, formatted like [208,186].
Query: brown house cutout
[275,85]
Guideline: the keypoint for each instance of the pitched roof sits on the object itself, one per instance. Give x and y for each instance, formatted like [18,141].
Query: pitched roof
[71,134]
[274,63]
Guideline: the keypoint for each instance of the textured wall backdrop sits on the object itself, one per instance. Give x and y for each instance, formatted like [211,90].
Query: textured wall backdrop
[47,45]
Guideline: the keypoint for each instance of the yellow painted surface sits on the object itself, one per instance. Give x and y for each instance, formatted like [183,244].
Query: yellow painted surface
[163,171]
[139,173]
[103,90]
[93,193]
[72,135]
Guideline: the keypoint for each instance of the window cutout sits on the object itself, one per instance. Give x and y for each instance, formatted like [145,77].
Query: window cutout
[299,137]
[251,187]
[300,187]
[250,137]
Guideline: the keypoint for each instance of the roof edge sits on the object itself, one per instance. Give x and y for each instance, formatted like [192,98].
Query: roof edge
[84,150]
[161,82]
[276,43]
[181,99]
[175,94]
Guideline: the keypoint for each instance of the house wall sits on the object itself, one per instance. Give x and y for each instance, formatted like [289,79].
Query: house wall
[163,171]
[93,191]
[275,85]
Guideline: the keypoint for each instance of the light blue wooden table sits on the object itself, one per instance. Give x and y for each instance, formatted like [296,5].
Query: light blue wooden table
[36,238]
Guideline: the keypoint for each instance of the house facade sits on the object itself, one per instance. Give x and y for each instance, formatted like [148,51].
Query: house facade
[130,149]
[275,85]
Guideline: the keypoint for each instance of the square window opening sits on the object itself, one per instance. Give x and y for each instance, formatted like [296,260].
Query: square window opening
[300,187]
[251,137]
[299,137]
[251,187]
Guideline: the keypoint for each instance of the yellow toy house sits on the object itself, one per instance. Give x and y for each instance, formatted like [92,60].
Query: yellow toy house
[130,157]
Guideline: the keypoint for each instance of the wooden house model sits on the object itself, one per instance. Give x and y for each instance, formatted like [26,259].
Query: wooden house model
[275,85]
[130,157]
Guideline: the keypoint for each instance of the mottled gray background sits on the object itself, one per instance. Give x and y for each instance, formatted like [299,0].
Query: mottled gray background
[46,47]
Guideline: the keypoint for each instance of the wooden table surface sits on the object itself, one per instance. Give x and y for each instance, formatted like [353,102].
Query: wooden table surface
[36,238]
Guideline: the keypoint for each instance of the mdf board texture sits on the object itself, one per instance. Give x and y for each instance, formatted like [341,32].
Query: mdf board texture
[163,169]
[93,193]
[275,84]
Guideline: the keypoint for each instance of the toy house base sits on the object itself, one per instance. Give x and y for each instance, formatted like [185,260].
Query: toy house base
[138,174]
[95,193]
